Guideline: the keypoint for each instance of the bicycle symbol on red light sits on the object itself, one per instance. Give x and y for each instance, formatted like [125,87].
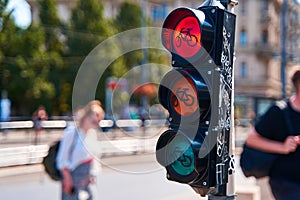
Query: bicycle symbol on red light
[186,36]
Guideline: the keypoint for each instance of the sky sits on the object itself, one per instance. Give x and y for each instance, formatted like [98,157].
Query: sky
[21,12]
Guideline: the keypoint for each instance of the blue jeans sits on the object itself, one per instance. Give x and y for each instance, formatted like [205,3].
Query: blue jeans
[81,181]
[285,190]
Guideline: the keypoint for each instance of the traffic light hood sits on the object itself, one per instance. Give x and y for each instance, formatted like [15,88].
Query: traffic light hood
[188,33]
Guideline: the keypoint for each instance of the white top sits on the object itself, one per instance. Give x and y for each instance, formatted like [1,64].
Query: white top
[72,151]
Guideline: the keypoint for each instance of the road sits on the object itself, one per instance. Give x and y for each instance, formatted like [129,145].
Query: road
[140,178]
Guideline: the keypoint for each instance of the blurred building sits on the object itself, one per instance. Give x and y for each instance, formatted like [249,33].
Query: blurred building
[258,44]
[258,53]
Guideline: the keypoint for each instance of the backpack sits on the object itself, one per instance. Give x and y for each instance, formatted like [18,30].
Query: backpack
[256,163]
[49,162]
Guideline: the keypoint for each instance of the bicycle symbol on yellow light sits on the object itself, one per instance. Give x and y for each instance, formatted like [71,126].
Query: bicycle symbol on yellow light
[186,36]
[182,95]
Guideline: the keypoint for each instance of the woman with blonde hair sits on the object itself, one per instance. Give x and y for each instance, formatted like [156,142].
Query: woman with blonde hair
[73,159]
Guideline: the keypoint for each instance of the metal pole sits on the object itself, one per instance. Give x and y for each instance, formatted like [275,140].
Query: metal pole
[227,191]
[231,192]
[283,47]
[144,78]
[144,72]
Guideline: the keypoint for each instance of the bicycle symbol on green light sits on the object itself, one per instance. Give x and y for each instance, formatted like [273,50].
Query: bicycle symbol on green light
[182,95]
[185,161]
[186,36]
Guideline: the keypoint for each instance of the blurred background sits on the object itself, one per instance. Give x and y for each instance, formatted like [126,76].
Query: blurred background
[44,42]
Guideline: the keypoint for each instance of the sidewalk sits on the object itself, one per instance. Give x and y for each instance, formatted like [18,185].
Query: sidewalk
[246,188]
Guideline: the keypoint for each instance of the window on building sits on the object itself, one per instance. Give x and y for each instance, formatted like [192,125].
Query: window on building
[264,6]
[243,38]
[154,13]
[264,36]
[243,7]
[243,70]
[164,10]
[159,12]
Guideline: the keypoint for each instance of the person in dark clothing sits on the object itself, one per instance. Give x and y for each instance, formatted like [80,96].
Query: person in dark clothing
[272,134]
[39,116]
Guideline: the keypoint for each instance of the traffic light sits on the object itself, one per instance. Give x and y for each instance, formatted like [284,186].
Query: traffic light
[197,94]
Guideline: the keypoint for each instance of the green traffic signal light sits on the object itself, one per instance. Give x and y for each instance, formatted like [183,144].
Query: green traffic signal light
[181,156]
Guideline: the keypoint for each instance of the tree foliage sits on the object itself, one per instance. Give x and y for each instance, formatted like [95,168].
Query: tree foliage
[38,65]
[50,22]
[129,17]
[87,27]
[25,73]
[54,51]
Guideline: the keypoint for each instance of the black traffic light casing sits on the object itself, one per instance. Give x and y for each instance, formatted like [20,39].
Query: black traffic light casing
[197,94]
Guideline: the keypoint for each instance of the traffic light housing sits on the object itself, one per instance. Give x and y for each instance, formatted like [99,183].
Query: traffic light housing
[197,95]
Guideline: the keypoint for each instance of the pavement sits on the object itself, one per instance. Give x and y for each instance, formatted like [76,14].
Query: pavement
[243,185]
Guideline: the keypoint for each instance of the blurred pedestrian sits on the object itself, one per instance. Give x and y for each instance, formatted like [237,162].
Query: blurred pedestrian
[73,159]
[96,107]
[39,116]
[5,105]
[272,134]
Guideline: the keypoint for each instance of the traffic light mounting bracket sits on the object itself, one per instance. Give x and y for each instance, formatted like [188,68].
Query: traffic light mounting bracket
[224,3]
[229,2]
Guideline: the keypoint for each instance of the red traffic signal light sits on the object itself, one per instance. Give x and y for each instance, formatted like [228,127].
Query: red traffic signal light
[188,33]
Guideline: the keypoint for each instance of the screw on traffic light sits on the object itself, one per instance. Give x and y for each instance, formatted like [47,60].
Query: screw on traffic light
[197,94]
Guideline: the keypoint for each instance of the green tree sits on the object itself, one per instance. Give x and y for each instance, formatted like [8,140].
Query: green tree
[50,22]
[54,49]
[25,72]
[87,29]
[129,17]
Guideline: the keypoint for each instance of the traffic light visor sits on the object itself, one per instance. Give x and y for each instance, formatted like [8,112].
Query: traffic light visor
[181,32]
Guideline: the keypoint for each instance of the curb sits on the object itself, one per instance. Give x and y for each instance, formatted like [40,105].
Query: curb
[21,170]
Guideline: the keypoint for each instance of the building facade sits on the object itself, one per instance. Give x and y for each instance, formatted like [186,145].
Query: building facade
[258,54]
[258,44]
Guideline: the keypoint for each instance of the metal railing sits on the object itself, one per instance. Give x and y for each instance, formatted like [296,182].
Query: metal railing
[22,155]
[33,154]
[58,124]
